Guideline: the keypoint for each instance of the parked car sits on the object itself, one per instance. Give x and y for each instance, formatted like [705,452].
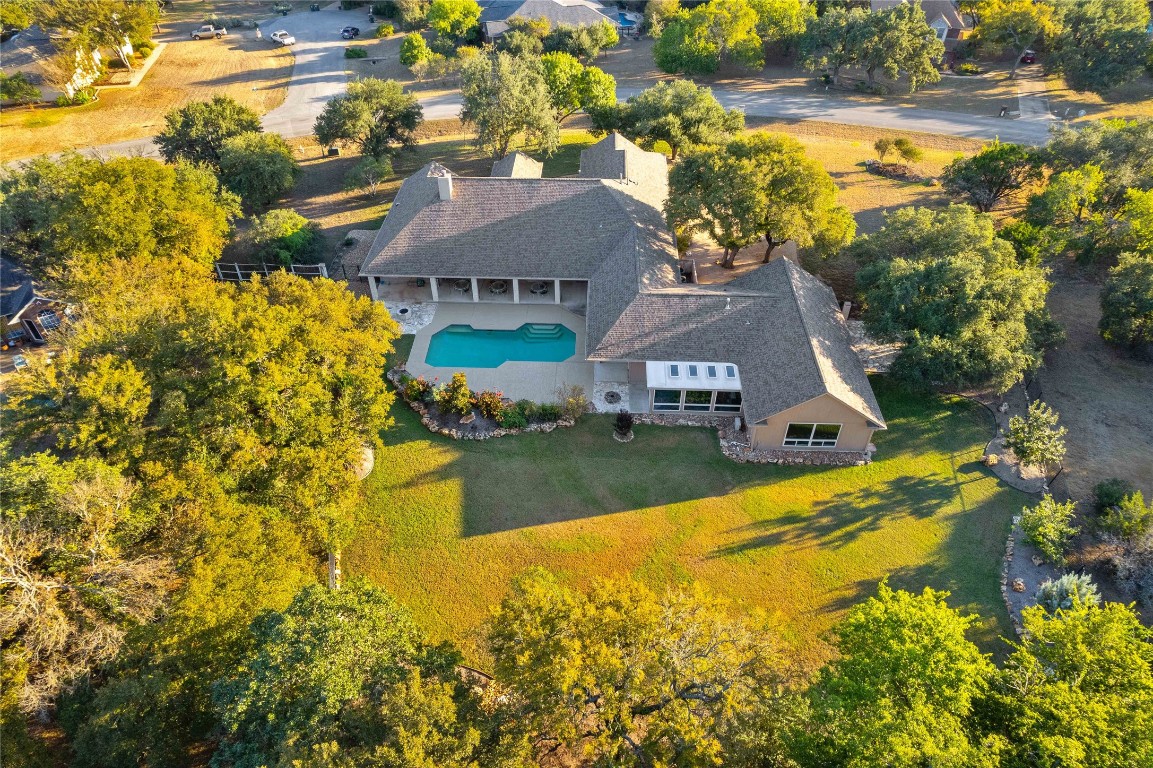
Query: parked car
[209,30]
[281,36]
[1029,57]
[350,32]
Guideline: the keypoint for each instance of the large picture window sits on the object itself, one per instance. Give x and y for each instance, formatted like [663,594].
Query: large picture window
[698,400]
[667,400]
[812,435]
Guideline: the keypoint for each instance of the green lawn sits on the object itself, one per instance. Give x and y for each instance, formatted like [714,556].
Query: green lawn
[448,523]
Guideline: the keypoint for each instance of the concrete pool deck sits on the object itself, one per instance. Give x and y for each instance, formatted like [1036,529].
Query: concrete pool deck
[517,380]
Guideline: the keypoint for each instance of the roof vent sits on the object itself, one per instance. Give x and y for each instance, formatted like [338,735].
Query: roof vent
[728,303]
[444,184]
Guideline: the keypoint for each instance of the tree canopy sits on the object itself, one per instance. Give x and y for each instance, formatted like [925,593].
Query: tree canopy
[196,132]
[903,689]
[992,175]
[1015,24]
[760,184]
[679,113]
[76,208]
[505,96]
[377,115]
[454,19]
[967,311]
[1127,301]
[629,676]
[100,23]
[699,41]
[259,167]
[782,22]
[572,86]
[1101,44]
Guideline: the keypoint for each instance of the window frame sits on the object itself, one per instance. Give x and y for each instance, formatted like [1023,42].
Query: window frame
[676,406]
[811,441]
[692,371]
[674,370]
[730,371]
[711,371]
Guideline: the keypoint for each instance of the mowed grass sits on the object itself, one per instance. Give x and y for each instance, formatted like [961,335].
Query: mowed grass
[447,525]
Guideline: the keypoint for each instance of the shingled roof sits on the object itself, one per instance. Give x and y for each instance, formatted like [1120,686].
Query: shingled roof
[517,165]
[494,14]
[778,324]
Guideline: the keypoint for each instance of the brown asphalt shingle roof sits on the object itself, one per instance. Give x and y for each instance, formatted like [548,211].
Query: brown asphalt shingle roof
[778,324]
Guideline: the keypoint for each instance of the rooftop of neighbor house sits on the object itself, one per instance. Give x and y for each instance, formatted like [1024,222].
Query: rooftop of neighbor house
[494,14]
[26,52]
[933,9]
[16,289]
[778,324]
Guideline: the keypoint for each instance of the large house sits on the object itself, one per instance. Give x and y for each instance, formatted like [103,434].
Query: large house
[25,315]
[494,14]
[32,53]
[948,23]
[593,256]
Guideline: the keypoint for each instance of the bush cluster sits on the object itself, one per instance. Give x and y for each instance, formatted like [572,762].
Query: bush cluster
[355,53]
[385,30]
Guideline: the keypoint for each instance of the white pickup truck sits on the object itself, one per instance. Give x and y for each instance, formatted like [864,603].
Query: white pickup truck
[209,30]
[281,36]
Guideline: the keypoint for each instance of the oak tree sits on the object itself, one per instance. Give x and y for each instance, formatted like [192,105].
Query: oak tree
[196,132]
[505,96]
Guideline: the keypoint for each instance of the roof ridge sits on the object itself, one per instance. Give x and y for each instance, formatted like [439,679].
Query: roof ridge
[804,321]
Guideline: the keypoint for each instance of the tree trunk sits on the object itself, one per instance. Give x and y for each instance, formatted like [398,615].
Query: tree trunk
[729,257]
[771,245]
[674,157]
[1016,62]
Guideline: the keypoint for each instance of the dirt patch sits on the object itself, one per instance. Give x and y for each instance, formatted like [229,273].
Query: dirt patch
[1104,396]
[253,72]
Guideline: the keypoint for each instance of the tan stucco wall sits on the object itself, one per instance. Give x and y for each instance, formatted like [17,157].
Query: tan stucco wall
[826,409]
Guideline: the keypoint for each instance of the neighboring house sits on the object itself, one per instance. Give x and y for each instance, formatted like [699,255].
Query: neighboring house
[494,14]
[32,52]
[948,23]
[769,346]
[25,314]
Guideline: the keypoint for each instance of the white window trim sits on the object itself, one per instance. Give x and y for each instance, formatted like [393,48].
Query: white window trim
[674,370]
[711,371]
[730,367]
[786,442]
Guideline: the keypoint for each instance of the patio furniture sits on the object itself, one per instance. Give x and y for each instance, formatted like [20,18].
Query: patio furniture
[498,287]
[462,286]
[538,288]
[19,362]
[417,283]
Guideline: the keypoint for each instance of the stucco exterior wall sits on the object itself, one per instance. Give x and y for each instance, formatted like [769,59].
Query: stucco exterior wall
[855,430]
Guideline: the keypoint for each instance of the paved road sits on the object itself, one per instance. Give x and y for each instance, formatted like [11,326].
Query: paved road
[831,110]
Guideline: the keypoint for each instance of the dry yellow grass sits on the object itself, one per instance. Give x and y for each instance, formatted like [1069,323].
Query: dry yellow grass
[253,72]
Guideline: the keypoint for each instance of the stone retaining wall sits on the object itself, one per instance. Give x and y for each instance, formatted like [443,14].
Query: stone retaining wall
[739,451]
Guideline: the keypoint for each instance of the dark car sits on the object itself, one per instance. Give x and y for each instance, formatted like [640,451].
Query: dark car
[1029,57]
[350,32]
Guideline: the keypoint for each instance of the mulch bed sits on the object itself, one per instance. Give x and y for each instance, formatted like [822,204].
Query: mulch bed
[895,171]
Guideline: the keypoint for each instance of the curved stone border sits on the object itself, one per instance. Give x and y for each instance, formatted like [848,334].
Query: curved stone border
[1010,544]
[461,434]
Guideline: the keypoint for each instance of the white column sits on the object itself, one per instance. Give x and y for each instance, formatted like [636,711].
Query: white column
[516,290]
[556,284]
[371,287]
[475,291]
[435,295]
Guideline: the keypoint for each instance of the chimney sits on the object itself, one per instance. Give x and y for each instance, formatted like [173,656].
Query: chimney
[846,307]
[444,183]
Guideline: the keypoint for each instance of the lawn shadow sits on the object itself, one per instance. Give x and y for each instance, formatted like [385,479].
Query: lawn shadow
[842,519]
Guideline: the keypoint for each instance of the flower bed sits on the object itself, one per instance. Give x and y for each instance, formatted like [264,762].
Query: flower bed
[453,410]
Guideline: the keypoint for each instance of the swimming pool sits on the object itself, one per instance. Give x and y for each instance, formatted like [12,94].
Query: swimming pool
[462,346]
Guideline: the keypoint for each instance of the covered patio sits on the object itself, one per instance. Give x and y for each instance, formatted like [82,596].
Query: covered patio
[570,294]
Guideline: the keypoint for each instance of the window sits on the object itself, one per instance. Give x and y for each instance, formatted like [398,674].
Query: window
[667,400]
[711,371]
[698,400]
[693,371]
[728,401]
[674,371]
[730,371]
[812,435]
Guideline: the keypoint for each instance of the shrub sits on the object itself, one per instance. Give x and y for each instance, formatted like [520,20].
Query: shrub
[385,30]
[435,67]
[572,401]
[968,68]
[550,412]
[528,409]
[1130,518]
[1047,527]
[908,151]
[1127,301]
[416,389]
[466,52]
[512,418]
[455,397]
[86,96]
[624,422]
[883,147]
[285,237]
[1109,493]
[355,53]
[1070,590]
[18,88]
[489,404]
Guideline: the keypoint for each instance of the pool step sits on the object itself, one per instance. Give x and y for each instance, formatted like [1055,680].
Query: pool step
[539,332]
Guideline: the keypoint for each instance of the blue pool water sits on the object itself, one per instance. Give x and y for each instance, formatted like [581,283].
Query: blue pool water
[462,346]
[625,20]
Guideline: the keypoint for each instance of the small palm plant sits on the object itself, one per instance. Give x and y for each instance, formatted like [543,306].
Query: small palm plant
[623,426]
